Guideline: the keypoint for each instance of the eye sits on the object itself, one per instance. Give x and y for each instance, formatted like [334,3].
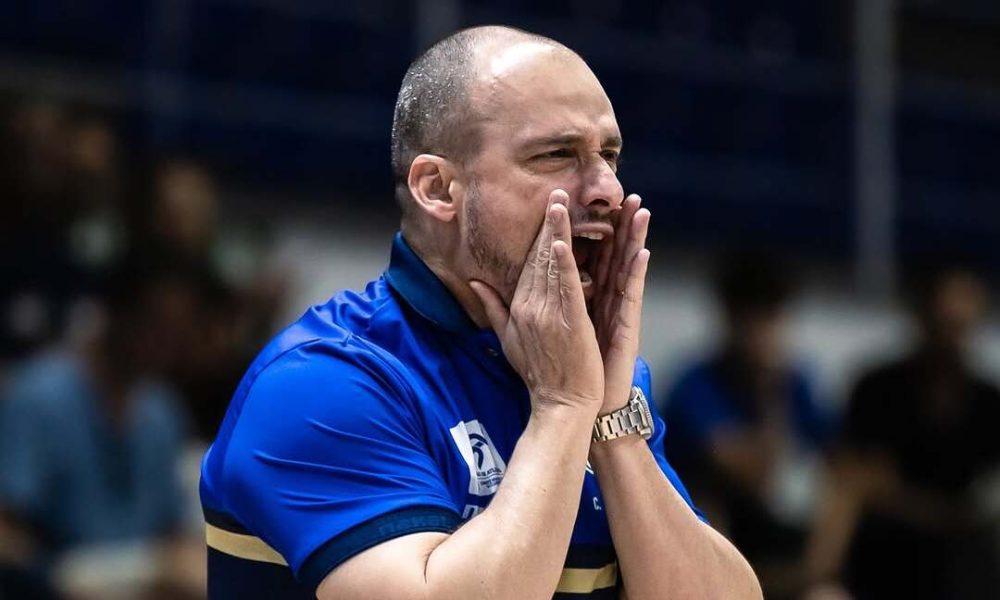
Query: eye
[557,154]
[612,157]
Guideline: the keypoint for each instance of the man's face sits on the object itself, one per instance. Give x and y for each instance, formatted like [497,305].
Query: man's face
[956,310]
[758,336]
[548,125]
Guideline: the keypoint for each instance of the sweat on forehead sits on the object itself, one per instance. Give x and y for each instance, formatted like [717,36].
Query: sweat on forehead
[434,110]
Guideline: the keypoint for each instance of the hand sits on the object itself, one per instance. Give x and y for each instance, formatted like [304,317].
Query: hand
[546,333]
[617,305]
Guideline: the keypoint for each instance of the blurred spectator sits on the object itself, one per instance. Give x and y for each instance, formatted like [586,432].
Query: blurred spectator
[903,515]
[60,225]
[179,228]
[741,420]
[36,262]
[89,442]
[97,235]
[184,216]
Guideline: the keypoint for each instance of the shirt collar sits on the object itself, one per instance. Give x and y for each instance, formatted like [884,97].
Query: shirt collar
[423,291]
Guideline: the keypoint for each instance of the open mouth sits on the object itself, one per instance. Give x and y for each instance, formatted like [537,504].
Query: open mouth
[585,248]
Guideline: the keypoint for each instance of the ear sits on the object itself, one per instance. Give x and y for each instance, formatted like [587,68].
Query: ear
[430,183]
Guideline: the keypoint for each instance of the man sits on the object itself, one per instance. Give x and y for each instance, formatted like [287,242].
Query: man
[90,438]
[745,420]
[389,445]
[907,510]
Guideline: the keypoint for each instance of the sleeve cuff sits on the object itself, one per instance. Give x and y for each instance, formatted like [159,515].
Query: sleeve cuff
[414,519]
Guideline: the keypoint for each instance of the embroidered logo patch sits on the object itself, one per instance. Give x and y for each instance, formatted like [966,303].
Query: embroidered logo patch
[486,467]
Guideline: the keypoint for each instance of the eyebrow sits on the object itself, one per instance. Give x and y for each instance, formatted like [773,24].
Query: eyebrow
[563,139]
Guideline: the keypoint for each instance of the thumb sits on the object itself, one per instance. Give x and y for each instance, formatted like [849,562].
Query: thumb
[496,311]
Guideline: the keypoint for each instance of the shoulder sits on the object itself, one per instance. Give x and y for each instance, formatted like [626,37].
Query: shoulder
[319,368]
[347,384]
[350,327]
[326,361]
[307,405]
[887,371]
[875,382]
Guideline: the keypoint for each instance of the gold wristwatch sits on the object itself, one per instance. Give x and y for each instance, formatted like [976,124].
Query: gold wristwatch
[634,418]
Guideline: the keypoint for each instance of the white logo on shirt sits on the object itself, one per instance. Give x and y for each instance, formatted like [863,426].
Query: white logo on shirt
[486,467]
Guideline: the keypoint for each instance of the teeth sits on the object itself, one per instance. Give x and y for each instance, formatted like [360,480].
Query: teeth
[590,235]
[585,278]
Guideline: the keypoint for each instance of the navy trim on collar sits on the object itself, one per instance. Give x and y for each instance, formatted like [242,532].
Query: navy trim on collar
[423,291]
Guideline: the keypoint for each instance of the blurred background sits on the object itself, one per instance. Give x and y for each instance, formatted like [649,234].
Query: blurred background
[181,178]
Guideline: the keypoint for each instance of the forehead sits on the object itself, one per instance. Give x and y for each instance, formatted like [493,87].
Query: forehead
[531,90]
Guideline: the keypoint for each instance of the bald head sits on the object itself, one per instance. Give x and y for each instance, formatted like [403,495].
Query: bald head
[435,113]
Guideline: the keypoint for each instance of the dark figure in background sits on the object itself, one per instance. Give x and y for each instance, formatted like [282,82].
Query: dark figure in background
[180,228]
[90,441]
[903,516]
[59,171]
[739,420]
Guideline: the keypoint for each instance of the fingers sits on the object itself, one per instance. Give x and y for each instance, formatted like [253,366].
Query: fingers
[629,208]
[493,305]
[558,269]
[609,254]
[623,228]
[637,232]
[623,345]
[565,289]
[536,268]
[635,285]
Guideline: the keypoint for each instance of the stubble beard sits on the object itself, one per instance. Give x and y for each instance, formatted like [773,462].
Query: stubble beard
[486,248]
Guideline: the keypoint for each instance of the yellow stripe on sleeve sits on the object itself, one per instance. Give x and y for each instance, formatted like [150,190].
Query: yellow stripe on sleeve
[584,581]
[241,546]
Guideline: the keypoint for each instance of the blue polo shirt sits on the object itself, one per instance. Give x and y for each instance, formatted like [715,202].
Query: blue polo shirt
[376,415]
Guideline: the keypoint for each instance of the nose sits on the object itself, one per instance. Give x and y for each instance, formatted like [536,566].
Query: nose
[602,192]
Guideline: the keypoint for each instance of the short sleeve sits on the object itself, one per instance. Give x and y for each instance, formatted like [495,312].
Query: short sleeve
[328,458]
[642,378]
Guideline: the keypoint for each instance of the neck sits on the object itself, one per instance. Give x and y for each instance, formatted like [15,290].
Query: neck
[435,255]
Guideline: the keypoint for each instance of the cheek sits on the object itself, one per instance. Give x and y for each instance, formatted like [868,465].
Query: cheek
[512,214]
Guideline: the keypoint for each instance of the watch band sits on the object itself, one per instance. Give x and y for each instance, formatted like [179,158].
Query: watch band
[633,419]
